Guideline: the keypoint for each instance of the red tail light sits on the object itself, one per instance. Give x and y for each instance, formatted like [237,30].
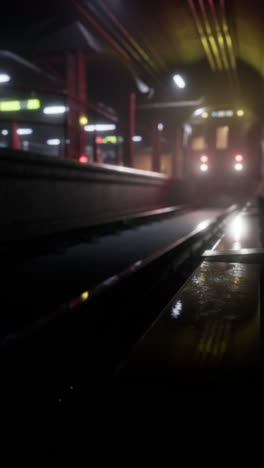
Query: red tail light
[239,158]
[204,158]
[83,159]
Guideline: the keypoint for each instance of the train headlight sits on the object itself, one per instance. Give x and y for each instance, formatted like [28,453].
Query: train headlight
[204,167]
[238,167]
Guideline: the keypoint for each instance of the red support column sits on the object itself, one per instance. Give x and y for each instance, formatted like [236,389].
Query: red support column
[72,115]
[132,128]
[177,154]
[82,97]
[15,137]
[156,148]
[118,146]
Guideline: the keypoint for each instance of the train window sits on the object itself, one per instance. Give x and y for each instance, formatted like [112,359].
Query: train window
[222,137]
[198,143]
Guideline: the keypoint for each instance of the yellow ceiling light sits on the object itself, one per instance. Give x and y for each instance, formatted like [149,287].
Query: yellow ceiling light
[85,296]
[205,115]
[83,120]
[240,113]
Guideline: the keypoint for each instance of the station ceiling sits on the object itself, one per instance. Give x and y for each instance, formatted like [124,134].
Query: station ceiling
[217,45]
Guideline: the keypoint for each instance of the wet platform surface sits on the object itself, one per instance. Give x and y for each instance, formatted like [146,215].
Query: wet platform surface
[212,326]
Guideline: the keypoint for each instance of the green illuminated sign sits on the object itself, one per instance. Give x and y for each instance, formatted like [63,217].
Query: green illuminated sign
[13,106]
[33,104]
[10,106]
[110,139]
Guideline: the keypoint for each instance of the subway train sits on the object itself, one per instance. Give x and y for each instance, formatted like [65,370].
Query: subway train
[223,144]
[223,151]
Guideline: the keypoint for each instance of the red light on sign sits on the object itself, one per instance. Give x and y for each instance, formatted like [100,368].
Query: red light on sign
[204,158]
[239,158]
[83,159]
[99,140]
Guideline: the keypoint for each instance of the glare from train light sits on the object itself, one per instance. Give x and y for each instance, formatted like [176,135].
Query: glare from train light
[205,115]
[99,128]
[238,228]
[203,225]
[240,113]
[160,127]
[24,131]
[239,158]
[54,110]
[203,167]
[176,309]
[238,167]
[53,142]
[83,159]
[204,158]
[4,132]
[4,78]
[137,138]
[83,120]
[179,81]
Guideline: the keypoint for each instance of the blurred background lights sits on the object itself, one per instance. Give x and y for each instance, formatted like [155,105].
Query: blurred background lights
[179,81]
[4,78]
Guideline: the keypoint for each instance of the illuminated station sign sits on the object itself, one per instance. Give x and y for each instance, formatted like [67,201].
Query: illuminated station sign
[16,105]
[221,113]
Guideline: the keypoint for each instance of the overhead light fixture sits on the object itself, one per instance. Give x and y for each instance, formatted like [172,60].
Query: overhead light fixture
[198,111]
[99,128]
[4,132]
[24,131]
[160,127]
[240,113]
[205,115]
[53,142]
[179,81]
[137,138]
[4,78]
[54,110]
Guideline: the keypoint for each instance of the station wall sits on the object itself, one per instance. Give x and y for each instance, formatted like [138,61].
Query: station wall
[41,195]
